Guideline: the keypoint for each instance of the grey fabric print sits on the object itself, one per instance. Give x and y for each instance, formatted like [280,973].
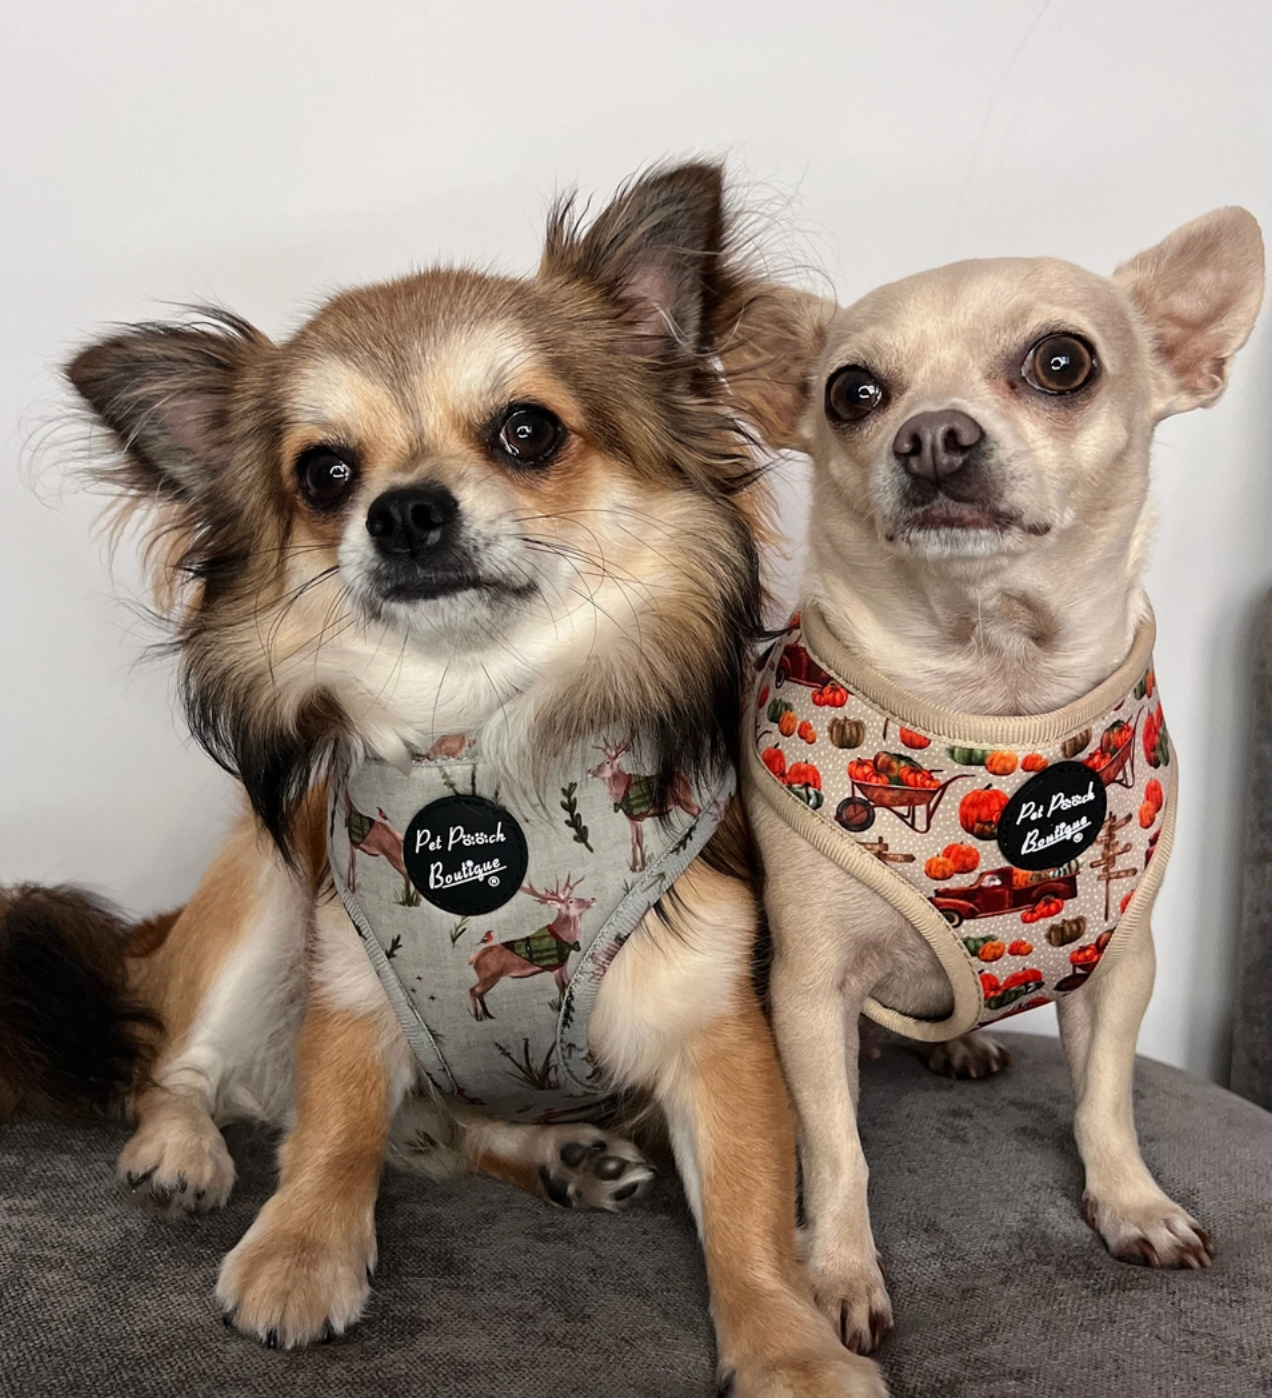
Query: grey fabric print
[492,920]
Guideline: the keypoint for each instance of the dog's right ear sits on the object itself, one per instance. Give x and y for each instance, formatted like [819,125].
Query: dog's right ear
[165,392]
[1199,291]
[769,355]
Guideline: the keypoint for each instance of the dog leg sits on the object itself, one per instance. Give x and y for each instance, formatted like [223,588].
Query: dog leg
[576,1166]
[677,1014]
[1122,1202]
[817,1028]
[974,1055]
[302,1270]
[225,980]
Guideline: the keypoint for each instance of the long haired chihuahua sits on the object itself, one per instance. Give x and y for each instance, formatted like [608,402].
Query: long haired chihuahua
[457,525]
[960,776]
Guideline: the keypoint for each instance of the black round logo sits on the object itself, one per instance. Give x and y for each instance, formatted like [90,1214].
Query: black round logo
[1053,817]
[465,854]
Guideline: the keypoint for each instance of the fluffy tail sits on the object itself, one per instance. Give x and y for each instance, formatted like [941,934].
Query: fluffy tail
[71,1036]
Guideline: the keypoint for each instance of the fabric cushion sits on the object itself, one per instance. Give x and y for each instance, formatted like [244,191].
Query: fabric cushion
[1000,1289]
[1252,1014]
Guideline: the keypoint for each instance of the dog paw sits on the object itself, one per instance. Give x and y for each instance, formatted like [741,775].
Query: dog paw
[178,1163]
[974,1055]
[832,1375]
[582,1168]
[288,1287]
[1151,1232]
[854,1297]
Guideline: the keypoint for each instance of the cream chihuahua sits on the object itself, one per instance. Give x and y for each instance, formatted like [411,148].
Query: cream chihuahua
[980,437]
[450,507]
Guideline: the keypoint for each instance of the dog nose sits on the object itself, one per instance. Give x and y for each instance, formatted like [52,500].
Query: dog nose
[411,519]
[935,445]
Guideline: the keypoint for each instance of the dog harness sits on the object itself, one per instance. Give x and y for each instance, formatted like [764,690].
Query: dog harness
[490,917]
[1016,847]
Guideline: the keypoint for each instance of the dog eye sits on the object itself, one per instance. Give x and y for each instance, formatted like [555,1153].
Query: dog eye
[529,435]
[326,476]
[853,393]
[1059,364]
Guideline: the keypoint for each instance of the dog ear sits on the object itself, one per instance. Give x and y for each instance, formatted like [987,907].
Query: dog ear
[769,359]
[1199,292]
[658,250]
[165,391]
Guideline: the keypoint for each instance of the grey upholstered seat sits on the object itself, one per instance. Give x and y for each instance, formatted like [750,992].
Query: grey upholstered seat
[1000,1288]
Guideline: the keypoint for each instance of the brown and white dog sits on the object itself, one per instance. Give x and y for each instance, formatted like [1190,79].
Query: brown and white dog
[980,437]
[569,435]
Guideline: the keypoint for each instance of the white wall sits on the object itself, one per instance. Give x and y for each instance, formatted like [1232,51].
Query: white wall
[261,155]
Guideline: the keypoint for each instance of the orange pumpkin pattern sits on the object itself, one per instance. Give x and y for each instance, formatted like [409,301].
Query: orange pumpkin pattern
[929,807]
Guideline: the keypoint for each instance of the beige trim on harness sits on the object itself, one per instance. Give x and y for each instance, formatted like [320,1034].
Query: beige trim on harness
[939,722]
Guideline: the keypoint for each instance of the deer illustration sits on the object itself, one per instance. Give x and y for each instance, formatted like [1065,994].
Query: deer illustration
[373,836]
[635,796]
[547,948]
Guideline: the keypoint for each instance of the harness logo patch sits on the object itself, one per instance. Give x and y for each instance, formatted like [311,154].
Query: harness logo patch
[1053,817]
[465,854]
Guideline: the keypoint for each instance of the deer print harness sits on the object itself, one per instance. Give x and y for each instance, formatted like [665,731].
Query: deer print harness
[1016,847]
[490,918]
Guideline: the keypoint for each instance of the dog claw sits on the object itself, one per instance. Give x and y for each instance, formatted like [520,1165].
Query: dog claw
[271,1340]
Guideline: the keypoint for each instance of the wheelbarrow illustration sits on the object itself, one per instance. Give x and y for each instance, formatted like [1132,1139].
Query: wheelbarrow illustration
[1120,768]
[915,806]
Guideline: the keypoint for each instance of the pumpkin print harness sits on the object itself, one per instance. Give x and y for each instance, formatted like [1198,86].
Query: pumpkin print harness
[1016,847]
[490,918]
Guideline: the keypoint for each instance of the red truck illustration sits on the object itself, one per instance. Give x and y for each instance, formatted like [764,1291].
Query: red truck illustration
[795,664]
[1004,890]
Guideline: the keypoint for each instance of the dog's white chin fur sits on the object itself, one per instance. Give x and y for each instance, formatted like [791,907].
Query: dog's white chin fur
[960,542]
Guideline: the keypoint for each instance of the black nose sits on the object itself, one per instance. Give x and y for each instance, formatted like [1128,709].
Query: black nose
[935,445]
[408,521]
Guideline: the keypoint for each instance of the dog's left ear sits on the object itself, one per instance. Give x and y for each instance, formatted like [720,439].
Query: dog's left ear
[1199,291]
[658,250]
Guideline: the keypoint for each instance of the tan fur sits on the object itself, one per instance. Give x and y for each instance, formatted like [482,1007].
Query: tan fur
[306,1260]
[1021,614]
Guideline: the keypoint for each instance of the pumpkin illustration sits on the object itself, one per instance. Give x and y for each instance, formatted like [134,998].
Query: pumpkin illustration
[939,868]
[963,857]
[912,739]
[1146,686]
[809,794]
[775,760]
[1156,740]
[776,708]
[787,724]
[992,951]
[1085,956]
[807,732]
[979,810]
[846,732]
[1115,737]
[1020,948]
[830,696]
[1147,815]
[1033,762]
[1126,900]
[803,774]
[889,763]
[968,757]
[1001,763]
[1063,934]
[1154,794]
[1079,742]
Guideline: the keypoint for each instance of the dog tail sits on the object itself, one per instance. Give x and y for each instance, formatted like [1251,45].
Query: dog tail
[71,1033]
